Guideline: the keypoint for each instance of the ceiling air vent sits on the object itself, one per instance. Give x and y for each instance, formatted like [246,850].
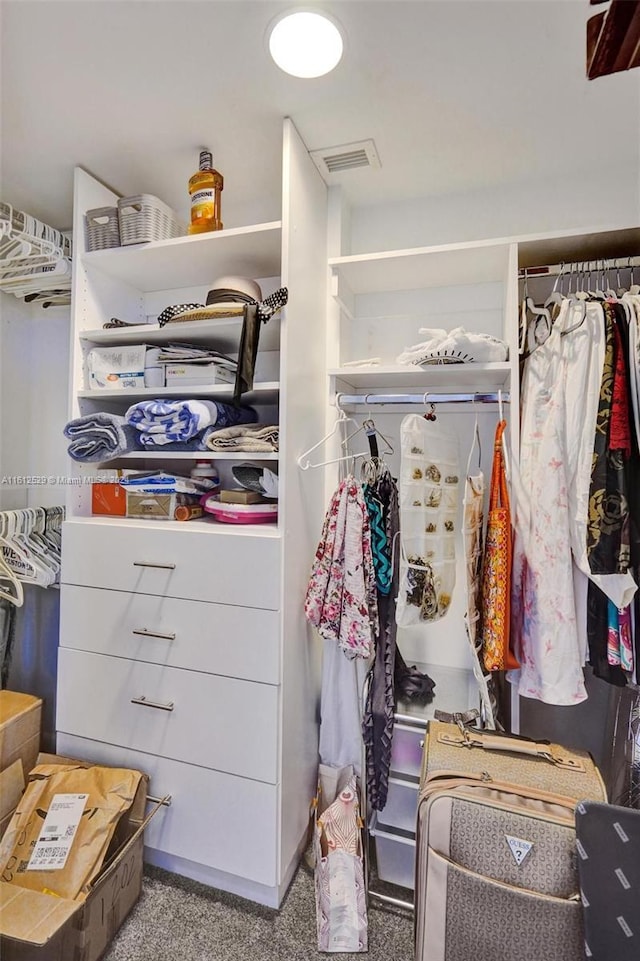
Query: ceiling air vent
[346,156]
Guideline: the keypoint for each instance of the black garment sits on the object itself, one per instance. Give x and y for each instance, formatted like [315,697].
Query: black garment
[607,841]
[614,508]
[597,635]
[7,639]
[389,668]
[377,725]
[247,352]
[254,316]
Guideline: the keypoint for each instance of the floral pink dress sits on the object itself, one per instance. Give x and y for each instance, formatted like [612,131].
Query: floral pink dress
[341,599]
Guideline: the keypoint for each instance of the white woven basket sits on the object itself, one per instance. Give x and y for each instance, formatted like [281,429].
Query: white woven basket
[101,228]
[145,218]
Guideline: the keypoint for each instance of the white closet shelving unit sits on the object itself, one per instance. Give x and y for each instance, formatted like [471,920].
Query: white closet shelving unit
[378,302]
[183,646]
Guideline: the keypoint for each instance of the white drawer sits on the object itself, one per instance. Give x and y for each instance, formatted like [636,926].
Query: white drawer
[225,822]
[216,722]
[203,565]
[242,642]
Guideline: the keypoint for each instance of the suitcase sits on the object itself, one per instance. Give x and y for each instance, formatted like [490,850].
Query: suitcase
[496,873]
[608,841]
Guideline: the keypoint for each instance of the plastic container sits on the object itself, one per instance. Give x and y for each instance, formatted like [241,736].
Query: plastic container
[406,749]
[401,809]
[102,228]
[241,513]
[395,855]
[207,471]
[145,218]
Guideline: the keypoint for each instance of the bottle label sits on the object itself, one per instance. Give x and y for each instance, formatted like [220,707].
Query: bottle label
[203,205]
[206,160]
[202,196]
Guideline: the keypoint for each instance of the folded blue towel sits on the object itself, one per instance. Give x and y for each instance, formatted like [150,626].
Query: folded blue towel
[99,437]
[164,422]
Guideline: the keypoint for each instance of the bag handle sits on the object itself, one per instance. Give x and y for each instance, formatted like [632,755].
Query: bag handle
[491,742]
[499,494]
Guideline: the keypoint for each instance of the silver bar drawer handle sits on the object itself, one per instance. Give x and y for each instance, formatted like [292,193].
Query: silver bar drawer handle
[164,567]
[166,800]
[143,632]
[145,703]
[421,743]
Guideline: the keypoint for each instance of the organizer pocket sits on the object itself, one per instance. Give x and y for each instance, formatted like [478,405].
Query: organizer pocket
[486,920]
[412,496]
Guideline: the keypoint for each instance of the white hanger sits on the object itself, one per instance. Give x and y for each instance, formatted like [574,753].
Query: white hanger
[303,461]
[556,296]
[21,557]
[8,577]
[476,442]
[505,454]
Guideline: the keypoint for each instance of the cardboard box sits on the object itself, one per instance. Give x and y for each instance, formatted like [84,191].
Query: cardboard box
[11,788]
[42,927]
[108,499]
[20,720]
[159,507]
[241,496]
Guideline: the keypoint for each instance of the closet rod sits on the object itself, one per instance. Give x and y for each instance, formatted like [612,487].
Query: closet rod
[354,400]
[550,270]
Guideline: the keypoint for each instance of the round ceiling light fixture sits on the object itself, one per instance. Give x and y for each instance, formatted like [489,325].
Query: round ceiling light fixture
[306,44]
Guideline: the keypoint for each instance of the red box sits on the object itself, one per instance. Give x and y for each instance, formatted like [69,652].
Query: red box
[108,499]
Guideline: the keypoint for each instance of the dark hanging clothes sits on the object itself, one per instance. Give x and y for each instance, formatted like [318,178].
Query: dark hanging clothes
[389,668]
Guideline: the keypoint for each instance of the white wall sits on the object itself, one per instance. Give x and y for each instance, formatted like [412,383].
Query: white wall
[609,198]
[34,358]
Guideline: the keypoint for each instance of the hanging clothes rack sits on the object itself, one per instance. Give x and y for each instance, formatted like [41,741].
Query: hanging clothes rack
[35,259]
[363,400]
[599,264]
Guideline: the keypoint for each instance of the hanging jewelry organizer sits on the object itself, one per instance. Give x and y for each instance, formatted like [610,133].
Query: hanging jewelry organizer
[35,259]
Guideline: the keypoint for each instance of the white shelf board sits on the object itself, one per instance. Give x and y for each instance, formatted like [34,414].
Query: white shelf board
[208,524]
[449,377]
[194,455]
[193,261]
[265,393]
[223,334]
[419,267]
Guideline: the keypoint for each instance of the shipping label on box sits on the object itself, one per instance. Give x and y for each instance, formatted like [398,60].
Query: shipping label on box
[51,850]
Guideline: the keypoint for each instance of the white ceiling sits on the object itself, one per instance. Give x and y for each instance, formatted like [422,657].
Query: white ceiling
[459,95]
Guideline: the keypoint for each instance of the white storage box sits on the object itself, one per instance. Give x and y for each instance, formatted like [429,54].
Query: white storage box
[132,365]
[395,854]
[145,218]
[401,809]
[203,375]
[115,368]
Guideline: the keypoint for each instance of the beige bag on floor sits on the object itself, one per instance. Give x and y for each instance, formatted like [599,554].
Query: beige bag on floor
[341,902]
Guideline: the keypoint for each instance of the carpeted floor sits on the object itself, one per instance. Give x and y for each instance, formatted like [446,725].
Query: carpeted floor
[180,920]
